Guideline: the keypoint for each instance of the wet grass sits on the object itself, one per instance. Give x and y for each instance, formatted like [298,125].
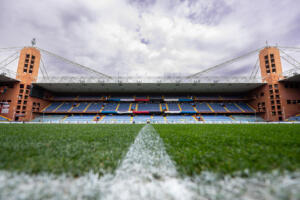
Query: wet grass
[70,149]
[227,149]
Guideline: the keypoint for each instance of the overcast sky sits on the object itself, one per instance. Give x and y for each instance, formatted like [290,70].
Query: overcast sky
[149,36]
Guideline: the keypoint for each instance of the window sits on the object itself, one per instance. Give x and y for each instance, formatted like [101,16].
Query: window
[294,101]
[18,107]
[24,107]
[288,101]
[263,103]
[278,101]
[271,91]
[21,85]
[27,55]
[266,57]
[33,57]
[276,91]
[272,55]
[25,102]
[19,101]
[277,96]
[26,97]
[20,96]
[298,101]
[270,86]
[278,107]
[27,91]
[272,97]
[28,87]
[279,113]
[276,86]
[273,107]
[268,71]
[273,113]
[21,91]
[273,70]
[272,102]
[262,94]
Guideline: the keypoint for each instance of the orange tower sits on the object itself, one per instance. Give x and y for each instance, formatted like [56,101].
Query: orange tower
[21,104]
[272,99]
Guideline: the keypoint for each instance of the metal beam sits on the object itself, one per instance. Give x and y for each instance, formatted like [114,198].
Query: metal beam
[224,63]
[76,64]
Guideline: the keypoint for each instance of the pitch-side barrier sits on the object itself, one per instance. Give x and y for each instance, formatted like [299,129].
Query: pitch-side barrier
[152,122]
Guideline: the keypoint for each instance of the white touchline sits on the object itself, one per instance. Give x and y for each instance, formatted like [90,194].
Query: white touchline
[146,172]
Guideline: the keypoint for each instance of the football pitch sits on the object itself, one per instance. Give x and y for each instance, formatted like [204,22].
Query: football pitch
[198,153]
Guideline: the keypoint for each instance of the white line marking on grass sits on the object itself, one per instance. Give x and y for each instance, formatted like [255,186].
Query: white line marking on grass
[147,172]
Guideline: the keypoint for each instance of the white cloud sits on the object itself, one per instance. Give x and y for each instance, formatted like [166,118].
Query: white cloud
[149,37]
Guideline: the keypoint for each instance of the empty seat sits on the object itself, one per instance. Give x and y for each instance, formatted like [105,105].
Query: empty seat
[94,107]
[80,107]
[203,107]
[218,107]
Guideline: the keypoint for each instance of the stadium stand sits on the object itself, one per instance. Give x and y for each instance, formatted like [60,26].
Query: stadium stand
[232,107]
[218,107]
[94,107]
[79,107]
[52,107]
[150,107]
[203,107]
[245,107]
[110,107]
[65,107]
[187,108]
[124,107]
[172,107]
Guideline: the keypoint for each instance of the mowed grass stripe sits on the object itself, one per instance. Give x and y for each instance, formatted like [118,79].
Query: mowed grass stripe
[227,149]
[63,148]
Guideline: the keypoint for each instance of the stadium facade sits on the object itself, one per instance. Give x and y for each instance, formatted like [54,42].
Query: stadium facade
[274,97]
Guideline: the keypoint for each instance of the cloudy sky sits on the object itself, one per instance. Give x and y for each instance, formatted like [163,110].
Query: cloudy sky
[150,37]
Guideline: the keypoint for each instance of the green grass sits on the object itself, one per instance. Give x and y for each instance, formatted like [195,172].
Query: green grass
[227,149]
[69,149]
[77,149]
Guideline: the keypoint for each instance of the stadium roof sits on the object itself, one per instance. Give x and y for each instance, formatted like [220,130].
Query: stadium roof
[295,78]
[6,79]
[292,75]
[150,85]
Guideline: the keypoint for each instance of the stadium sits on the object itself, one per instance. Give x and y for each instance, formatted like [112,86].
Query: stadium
[168,137]
[28,97]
